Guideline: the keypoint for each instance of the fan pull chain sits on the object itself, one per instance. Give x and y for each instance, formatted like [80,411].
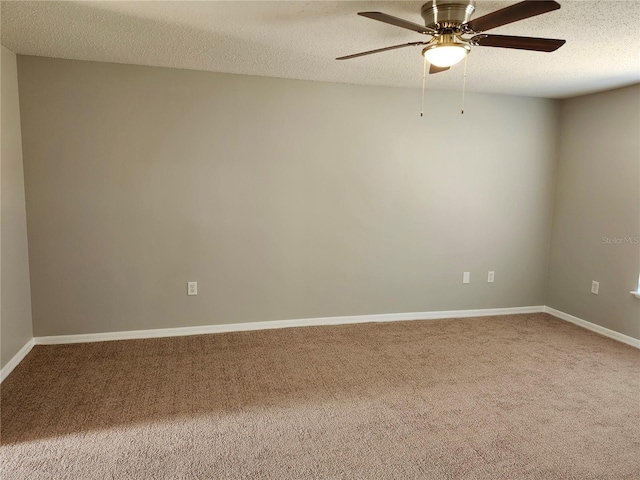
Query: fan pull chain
[464,84]
[424,78]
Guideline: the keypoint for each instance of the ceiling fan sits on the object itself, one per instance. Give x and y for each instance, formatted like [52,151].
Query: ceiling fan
[449,21]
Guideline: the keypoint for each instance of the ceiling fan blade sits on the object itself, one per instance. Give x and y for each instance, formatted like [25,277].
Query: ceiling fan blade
[398,22]
[520,43]
[433,69]
[347,57]
[513,13]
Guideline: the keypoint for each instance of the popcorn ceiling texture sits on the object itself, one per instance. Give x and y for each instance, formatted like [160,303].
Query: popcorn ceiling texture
[300,40]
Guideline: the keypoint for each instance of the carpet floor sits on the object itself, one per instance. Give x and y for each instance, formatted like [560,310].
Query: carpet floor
[509,397]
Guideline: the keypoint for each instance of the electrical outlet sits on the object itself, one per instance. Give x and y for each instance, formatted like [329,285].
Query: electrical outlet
[466,277]
[491,276]
[192,288]
[595,287]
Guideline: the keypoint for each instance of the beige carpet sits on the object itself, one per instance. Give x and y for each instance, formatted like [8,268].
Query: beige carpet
[515,397]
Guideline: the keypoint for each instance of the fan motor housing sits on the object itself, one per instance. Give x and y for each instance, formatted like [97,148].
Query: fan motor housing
[447,14]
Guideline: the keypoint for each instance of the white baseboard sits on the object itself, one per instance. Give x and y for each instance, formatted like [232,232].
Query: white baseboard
[621,337]
[306,322]
[17,358]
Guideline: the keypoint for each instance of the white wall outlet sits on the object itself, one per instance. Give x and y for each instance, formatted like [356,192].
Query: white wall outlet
[491,276]
[595,287]
[192,288]
[466,277]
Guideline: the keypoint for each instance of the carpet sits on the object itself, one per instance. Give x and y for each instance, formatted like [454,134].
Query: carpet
[509,397]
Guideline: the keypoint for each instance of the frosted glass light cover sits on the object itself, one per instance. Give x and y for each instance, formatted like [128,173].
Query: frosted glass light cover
[445,55]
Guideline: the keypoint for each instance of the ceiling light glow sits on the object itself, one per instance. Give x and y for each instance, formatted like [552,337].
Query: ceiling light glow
[446,54]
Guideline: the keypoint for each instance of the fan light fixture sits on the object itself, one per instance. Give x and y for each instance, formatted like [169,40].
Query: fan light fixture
[445,54]
[448,21]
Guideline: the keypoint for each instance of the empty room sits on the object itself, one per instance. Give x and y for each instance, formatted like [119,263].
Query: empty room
[320,240]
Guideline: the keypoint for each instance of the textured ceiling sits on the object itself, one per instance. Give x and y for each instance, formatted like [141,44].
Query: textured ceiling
[300,39]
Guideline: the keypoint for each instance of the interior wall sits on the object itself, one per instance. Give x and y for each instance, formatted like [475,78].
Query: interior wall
[284,199]
[15,310]
[596,228]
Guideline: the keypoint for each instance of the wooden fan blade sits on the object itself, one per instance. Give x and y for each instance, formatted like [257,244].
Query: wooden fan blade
[347,57]
[513,13]
[398,22]
[434,69]
[520,43]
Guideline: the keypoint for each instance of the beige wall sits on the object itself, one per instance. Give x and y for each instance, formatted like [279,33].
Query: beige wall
[283,199]
[596,232]
[15,312]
